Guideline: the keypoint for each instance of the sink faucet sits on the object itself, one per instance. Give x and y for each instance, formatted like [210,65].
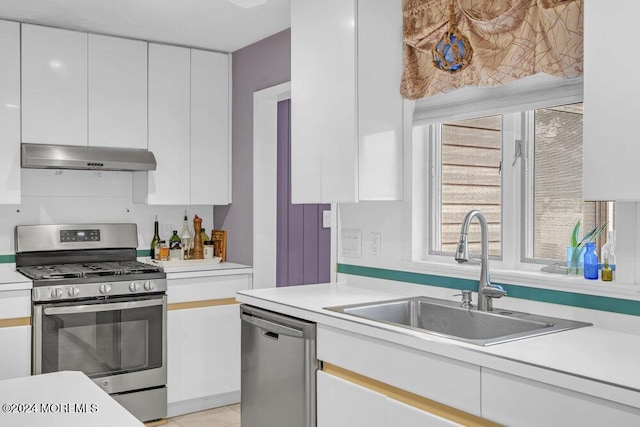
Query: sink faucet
[486,291]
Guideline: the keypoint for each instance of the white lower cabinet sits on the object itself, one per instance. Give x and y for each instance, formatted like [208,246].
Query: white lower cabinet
[203,341]
[402,415]
[342,403]
[15,359]
[15,334]
[204,352]
[345,404]
[511,400]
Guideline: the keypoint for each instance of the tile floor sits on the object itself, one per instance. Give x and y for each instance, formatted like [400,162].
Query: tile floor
[226,416]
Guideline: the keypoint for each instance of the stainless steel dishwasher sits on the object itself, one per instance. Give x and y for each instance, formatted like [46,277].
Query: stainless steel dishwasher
[279,364]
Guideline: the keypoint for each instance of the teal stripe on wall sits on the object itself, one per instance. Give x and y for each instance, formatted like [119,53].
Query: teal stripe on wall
[6,259]
[594,302]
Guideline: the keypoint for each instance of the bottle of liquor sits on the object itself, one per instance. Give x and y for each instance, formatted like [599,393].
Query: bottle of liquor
[185,237]
[155,241]
[203,234]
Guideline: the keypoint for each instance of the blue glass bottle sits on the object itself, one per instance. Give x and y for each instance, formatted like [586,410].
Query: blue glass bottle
[591,262]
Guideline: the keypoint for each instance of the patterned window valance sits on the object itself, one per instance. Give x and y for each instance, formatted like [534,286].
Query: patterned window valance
[511,39]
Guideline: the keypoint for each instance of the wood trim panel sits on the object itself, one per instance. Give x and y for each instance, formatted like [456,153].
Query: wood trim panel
[409,398]
[19,321]
[156,423]
[200,304]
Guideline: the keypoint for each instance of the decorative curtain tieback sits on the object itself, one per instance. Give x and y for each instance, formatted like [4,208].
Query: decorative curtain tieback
[453,51]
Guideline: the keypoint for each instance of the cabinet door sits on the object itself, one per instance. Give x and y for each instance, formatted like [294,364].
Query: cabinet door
[512,400]
[380,120]
[169,124]
[611,103]
[210,142]
[345,404]
[324,164]
[10,112]
[402,415]
[117,92]
[54,86]
[203,357]
[15,358]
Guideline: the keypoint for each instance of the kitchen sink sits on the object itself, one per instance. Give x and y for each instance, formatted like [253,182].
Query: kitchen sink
[448,319]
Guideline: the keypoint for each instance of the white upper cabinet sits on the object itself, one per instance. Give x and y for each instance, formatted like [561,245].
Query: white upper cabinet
[117,92]
[189,122]
[54,86]
[169,124]
[611,102]
[210,136]
[346,119]
[10,112]
[380,104]
[323,101]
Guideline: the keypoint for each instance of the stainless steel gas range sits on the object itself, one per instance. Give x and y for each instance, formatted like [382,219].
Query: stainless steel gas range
[96,309]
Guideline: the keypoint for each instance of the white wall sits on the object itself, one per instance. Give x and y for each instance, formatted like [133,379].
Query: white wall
[57,196]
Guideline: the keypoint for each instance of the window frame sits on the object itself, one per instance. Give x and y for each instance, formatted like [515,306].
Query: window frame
[523,95]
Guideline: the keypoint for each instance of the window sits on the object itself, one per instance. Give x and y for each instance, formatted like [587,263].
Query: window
[538,153]
[467,156]
[553,184]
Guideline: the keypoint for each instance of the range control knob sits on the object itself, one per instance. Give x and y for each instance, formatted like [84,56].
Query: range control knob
[105,288]
[149,285]
[73,291]
[134,286]
[57,293]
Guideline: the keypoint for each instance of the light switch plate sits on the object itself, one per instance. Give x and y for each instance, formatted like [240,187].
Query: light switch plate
[326,219]
[351,243]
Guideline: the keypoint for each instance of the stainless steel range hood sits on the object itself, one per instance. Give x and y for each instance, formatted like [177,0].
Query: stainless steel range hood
[44,156]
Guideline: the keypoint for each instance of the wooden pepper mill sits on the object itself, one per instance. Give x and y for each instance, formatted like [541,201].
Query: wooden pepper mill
[198,249]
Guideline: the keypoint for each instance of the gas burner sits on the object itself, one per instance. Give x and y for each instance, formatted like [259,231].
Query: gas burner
[96,269]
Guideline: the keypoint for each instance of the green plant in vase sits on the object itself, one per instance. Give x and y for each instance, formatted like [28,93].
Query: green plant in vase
[576,250]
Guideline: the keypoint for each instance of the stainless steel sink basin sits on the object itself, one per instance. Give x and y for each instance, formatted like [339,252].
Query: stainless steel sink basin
[448,319]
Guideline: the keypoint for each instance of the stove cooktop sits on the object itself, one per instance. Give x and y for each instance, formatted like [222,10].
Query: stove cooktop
[88,270]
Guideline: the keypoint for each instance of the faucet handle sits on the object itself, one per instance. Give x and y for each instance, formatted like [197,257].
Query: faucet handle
[494,291]
[466,299]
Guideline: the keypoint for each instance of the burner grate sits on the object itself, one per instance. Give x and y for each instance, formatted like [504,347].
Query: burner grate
[93,269]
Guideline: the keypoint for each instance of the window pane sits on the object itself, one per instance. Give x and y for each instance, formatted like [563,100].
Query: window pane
[557,184]
[469,178]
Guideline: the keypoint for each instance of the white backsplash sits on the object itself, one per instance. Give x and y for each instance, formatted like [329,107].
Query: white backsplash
[69,196]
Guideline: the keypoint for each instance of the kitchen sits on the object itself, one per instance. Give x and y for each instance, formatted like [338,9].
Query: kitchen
[263,65]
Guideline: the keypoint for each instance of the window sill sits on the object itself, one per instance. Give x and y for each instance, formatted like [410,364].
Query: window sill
[535,279]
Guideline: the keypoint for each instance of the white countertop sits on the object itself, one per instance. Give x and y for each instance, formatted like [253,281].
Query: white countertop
[11,280]
[590,360]
[60,399]
[199,266]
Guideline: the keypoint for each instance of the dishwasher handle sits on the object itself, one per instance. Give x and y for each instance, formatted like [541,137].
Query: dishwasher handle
[270,327]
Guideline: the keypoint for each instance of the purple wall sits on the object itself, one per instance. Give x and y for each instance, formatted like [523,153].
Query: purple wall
[303,246]
[258,66]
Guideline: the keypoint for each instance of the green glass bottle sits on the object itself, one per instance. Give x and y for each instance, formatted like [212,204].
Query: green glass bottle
[155,242]
[174,241]
[203,234]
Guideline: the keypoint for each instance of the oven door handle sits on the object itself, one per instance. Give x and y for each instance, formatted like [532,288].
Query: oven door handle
[94,308]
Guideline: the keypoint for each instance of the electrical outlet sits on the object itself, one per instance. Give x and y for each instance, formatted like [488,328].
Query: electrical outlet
[376,244]
[351,243]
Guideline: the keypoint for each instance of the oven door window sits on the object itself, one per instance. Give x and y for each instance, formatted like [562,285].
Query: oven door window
[103,338]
